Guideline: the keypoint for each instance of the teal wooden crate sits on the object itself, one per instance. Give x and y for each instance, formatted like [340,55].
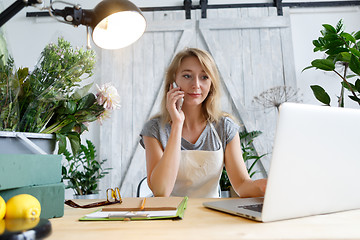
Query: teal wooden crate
[50,196]
[22,170]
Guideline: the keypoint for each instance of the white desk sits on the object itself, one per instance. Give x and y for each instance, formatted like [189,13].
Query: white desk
[202,223]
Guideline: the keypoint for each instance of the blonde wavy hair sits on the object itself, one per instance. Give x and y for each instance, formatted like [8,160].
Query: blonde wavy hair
[211,105]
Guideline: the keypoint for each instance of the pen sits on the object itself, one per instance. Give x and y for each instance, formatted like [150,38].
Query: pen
[143,204]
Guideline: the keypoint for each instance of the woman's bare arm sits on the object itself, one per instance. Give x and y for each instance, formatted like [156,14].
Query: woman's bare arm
[237,172]
[163,165]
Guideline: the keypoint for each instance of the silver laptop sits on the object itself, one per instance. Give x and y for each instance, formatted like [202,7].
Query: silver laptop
[314,169]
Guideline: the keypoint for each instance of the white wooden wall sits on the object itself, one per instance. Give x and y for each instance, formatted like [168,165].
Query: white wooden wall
[253,50]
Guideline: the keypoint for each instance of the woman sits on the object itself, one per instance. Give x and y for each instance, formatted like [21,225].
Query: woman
[186,148]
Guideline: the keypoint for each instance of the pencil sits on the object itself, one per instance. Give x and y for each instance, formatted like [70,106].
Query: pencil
[143,204]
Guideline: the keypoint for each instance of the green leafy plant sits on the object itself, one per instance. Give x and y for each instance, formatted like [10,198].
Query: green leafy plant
[3,47]
[224,181]
[83,170]
[248,154]
[50,100]
[70,118]
[54,79]
[9,91]
[342,58]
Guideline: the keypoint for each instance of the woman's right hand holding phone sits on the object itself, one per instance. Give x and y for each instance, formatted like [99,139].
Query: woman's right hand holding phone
[163,163]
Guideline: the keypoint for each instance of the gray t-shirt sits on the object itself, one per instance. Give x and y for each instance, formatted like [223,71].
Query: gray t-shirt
[226,129]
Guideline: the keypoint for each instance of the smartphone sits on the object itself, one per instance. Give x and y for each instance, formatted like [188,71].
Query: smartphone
[179,102]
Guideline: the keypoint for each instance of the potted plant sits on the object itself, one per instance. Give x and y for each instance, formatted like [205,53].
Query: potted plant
[248,154]
[52,99]
[83,171]
[342,56]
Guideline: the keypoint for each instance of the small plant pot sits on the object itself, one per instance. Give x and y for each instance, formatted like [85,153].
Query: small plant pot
[225,194]
[229,193]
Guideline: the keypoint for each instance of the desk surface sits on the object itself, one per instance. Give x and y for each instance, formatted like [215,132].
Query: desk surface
[202,223]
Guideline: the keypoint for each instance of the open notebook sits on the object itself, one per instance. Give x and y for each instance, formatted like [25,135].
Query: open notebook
[314,168]
[142,209]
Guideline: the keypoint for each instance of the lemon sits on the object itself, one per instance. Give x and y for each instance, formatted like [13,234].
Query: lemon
[2,226]
[2,208]
[21,224]
[23,206]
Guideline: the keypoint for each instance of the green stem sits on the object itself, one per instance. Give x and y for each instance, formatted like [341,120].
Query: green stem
[341,98]
[352,91]
[56,126]
[348,46]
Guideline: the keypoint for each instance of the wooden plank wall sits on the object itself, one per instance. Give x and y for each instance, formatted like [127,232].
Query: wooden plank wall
[250,47]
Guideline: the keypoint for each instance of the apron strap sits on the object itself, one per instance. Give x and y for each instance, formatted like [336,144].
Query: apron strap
[221,145]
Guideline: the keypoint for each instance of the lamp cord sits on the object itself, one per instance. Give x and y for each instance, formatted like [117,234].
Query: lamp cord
[51,10]
[77,6]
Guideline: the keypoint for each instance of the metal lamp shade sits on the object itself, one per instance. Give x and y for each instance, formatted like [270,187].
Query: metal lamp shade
[116,24]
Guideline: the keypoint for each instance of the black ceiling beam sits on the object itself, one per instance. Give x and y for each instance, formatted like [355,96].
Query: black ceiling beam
[14,8]
[204,6]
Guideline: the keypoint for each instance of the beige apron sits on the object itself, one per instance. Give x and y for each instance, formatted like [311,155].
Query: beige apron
[199,172]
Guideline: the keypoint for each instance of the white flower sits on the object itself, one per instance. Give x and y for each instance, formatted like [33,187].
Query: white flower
[108,96]
[105,115]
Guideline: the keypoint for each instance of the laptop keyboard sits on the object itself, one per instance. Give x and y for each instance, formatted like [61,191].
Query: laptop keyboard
[254,207]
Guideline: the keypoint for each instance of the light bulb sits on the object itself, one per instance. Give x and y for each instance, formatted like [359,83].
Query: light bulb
[119,30]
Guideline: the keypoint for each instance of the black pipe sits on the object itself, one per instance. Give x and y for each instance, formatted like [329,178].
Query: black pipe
[322,4]
[240,5]
[13,9]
